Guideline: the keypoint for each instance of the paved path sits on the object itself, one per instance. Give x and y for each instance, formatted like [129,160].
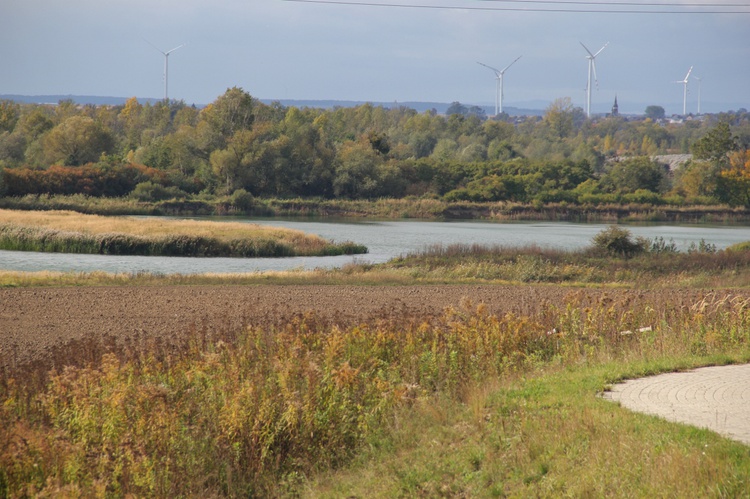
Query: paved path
[717,398]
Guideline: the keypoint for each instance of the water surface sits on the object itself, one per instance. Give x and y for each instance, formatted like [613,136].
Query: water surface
[384,239]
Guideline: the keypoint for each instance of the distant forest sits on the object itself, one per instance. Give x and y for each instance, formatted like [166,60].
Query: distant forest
[239,146]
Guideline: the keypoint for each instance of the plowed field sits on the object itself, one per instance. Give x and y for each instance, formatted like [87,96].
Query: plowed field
[34,321]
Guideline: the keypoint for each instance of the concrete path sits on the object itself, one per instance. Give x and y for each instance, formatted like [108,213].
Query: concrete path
[717,398]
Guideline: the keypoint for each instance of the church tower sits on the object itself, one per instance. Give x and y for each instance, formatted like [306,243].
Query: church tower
[615,108]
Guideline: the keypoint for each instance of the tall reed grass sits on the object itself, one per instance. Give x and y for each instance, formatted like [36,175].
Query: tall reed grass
[251,412]
[64,231]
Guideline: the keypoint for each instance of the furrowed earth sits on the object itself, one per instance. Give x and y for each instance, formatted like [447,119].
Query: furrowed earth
[36,322]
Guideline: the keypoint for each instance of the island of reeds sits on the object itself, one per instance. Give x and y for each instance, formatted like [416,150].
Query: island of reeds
[70,232]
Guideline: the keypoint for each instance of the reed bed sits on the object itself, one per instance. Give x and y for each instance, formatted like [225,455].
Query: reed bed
[532,264]
[257,412]
[70,232]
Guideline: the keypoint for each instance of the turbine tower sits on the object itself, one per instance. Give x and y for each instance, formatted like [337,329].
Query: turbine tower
[166,67]
[684,91]
[499,73]
[699,93]
[592,68]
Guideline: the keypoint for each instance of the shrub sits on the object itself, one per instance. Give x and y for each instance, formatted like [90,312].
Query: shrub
[242,200]
[149,191]
[616,241]
[702,247]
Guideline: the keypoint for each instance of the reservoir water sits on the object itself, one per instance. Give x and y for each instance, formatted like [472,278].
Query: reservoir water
[385,240]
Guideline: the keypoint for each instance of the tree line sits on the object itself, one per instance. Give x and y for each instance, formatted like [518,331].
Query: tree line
[239,146]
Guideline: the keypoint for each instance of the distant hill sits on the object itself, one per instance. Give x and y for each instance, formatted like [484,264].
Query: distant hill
[527,108]
[78,99]
[421,107]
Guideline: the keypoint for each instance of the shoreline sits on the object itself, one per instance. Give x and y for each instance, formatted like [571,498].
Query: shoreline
[387,209]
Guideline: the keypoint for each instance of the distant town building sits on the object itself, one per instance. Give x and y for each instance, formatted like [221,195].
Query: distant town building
[615,108]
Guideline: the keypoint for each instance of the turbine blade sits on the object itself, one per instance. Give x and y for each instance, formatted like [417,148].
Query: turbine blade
[497,72]
[600,50]
[157,48]
[509,65]
[688,73]
[178,47]
[587,50]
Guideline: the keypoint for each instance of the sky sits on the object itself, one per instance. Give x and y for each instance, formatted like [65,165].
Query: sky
[277,49]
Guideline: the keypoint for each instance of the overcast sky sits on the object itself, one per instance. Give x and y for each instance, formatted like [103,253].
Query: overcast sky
[277,49]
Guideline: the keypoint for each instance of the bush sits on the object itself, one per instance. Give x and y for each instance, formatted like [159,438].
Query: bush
[149,191]
[242,200]
[616,241]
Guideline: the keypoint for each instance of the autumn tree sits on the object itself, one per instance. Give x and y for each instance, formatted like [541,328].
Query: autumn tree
[9,114]
[735,180]
[559,117]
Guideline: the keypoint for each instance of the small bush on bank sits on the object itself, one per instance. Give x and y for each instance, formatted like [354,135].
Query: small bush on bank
[149,192]
[616,241]
[242,200]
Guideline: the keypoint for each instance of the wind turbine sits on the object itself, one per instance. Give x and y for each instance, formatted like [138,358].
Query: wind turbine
[699,93]
[684,92]
[499,77]
[166,67]
[592,67]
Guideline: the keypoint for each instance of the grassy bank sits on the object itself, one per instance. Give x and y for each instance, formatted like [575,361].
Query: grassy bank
[416,208]
[466,264]
[464,404]
[659,266]
[70,232]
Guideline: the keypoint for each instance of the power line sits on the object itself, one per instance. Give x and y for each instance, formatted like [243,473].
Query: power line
[627,3]
[549,9]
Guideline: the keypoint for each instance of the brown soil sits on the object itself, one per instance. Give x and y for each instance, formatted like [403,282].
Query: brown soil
[36,321]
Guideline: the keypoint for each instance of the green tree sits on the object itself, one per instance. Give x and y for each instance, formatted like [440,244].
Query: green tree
[655,112]
[229,114]
[76,141]
[716,145]
[633,174]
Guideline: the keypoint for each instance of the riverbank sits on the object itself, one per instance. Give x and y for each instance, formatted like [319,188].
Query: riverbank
[72,232]
[411,208]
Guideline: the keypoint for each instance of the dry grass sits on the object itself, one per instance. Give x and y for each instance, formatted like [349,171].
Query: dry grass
[149,227]
[66,231]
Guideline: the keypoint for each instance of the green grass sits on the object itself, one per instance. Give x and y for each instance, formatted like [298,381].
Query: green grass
[544,434]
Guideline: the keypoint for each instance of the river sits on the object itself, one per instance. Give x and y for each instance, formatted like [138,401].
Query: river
[385,240]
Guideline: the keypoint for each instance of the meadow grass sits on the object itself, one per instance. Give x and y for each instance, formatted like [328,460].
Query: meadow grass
[66,231]
[465,404]
[532,264]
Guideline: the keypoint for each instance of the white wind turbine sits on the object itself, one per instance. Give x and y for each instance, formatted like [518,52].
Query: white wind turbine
[684,91]
[166,67]
[592,68]
[499,73]
[699,93]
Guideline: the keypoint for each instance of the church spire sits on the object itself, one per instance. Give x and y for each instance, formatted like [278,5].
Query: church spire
[615,108]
